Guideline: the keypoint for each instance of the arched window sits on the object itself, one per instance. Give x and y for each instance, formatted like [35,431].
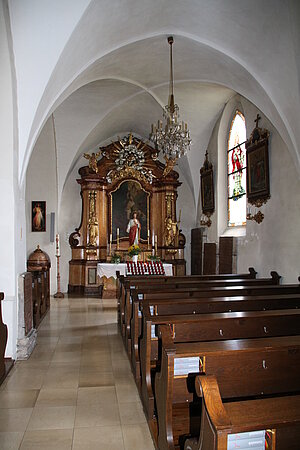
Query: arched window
[237,171]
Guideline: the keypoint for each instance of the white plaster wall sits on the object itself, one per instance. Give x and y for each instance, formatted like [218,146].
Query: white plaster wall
[8,282]
[69,219]
[41,184]
[275,243]
[186,204]
[40,31]
[50,57]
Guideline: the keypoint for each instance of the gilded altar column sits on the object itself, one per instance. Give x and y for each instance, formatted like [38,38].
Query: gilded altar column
[102,220]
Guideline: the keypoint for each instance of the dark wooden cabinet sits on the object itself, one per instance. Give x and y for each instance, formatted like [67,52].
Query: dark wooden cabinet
[196,251]
[5,363]
[210,258]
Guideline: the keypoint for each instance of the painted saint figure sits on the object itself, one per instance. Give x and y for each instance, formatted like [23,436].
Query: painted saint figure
[134,230]
[38,219]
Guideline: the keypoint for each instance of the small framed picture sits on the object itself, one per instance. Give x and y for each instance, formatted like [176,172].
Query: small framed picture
[258,183]
[38,216]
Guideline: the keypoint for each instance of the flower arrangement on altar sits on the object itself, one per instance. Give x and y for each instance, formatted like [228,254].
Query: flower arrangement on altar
[153,258]
[134,250]
[115,258]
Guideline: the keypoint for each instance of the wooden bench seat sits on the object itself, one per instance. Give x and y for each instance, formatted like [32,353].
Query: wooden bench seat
[185,296]
[124,283]
[186,291]
[277,418]
[158,282]
[205,327]
[242,367]
[202,305]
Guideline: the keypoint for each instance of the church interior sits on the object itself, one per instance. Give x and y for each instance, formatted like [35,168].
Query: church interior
[151,185]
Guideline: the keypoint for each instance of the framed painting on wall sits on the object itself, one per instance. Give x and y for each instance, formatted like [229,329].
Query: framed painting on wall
[128,198]
[38,216]
[258,183]
[207,187]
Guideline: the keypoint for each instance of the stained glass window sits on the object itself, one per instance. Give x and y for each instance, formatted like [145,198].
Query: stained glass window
[237,171]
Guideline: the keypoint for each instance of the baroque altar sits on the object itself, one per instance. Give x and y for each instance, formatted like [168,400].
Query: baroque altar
[127,179]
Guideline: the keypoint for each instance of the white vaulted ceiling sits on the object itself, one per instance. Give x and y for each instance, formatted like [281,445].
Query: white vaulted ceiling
[102,68]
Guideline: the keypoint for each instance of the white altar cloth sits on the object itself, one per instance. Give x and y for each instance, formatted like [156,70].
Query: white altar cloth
[110,270]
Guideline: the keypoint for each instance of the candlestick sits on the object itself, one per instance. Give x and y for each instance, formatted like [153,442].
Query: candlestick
[58,294]
[57,251]
[148,239]
[155,244]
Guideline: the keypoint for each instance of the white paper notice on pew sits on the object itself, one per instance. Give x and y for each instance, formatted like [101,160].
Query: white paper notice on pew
[184,366]
[243,441]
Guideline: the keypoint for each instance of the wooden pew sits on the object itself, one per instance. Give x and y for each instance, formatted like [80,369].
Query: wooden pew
[206,327]
[145,293]
[5,363]
[242,367]
[199,305]
[125,283]
[272,423]
[209,288]
[3,341]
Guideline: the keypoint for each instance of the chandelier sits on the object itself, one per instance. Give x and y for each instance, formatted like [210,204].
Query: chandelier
[172,138]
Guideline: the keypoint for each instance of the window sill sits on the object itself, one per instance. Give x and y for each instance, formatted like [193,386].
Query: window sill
[235,231]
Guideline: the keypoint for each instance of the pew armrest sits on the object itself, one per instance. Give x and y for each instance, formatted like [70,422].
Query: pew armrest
[252,272]
[165,335]
[207,388]
[275,277]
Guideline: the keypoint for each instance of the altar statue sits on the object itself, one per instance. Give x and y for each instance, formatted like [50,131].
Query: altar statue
[134,230]
[92,160]
[171,232]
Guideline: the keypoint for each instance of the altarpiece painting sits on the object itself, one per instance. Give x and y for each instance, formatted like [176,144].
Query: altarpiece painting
[128,198]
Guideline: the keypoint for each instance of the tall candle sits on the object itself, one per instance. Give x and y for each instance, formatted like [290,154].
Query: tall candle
[110,241]
[118,234]
[57,253]
[155,243]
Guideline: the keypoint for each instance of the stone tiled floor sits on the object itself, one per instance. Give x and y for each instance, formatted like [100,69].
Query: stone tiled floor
[76,391]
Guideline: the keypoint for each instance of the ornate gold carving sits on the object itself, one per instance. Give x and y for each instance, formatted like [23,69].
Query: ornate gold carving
[171,232]
[170,163]
[129,161]
[258,202]
[205,222]
[92,160]
[170,196]
[93,222]
[258,217]
[127,172]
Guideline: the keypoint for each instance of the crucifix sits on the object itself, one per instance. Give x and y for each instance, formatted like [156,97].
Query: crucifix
[257,119]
